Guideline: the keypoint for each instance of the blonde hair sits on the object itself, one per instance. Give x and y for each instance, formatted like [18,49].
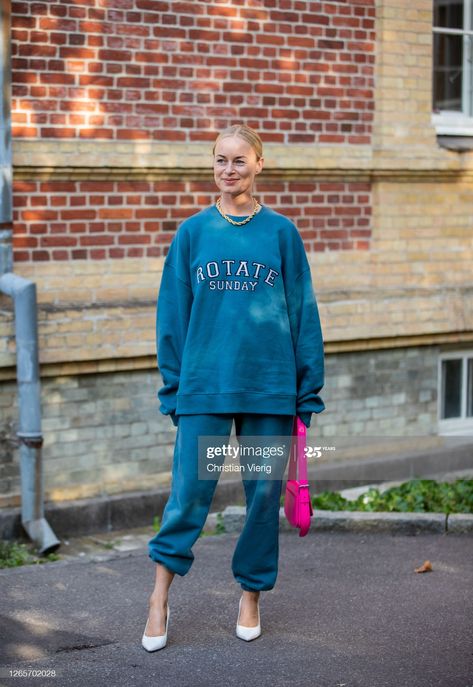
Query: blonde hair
[245,132]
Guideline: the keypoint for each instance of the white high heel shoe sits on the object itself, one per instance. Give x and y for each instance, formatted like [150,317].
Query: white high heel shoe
[157,642]
[247,633]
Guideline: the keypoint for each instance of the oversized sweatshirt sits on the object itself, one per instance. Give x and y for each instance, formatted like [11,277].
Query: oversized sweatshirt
[237,323]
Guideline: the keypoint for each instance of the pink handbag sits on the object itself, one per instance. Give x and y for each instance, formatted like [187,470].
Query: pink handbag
[297,503]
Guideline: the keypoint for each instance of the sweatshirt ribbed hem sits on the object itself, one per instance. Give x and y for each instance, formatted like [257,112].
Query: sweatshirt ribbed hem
[239,402]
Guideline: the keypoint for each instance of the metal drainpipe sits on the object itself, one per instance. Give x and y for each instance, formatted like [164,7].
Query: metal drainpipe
[23,293]
[29,435]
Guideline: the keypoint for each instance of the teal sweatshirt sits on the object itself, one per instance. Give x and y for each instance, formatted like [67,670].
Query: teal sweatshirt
[237,323]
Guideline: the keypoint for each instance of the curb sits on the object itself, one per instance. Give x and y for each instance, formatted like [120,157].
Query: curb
[136,509]
[129,510]
[359,521]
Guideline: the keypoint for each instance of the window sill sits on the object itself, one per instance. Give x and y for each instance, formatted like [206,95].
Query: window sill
[460,427]
[454,130]
[461,144]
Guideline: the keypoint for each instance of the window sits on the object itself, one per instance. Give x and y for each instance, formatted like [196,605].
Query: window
[456,393]
[452,92]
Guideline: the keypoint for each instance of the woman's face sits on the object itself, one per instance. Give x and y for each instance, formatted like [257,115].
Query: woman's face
[235,166]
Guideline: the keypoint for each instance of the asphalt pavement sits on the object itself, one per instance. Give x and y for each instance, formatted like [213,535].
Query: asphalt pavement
[348,610]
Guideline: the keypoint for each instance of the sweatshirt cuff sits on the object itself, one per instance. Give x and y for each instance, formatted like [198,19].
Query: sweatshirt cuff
[306,418]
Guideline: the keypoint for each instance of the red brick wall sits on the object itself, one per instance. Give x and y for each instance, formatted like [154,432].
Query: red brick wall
[299,72]
[57,220]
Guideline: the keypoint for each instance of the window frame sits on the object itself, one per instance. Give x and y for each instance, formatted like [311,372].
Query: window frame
[451,122]
[459,425]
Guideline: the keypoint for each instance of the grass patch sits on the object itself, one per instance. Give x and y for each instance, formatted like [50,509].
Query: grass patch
[156,523]
[218,529]
[15,553]
[413,496]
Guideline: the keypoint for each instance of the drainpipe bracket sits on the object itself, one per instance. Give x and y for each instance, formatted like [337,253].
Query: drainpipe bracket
[32,440]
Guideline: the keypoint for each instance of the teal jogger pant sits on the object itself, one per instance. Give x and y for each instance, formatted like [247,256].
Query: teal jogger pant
[255,559]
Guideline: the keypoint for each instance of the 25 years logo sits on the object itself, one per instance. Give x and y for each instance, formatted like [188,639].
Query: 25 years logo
[316,451]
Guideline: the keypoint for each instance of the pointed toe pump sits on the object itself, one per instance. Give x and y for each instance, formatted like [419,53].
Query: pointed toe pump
[157,642]
[248,633]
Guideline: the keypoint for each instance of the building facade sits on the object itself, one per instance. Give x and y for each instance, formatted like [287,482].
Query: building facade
[114,110]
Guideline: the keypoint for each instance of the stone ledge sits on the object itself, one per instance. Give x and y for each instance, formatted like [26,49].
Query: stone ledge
[81,517]
[460,523]
[401,523]
[136,509]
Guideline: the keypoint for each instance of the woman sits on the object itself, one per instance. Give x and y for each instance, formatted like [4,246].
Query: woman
[238,339]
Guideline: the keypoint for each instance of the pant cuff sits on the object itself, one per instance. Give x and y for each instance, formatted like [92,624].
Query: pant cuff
[251,589]
[166,565]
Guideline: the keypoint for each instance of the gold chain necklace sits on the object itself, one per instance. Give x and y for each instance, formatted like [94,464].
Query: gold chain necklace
[232,221]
